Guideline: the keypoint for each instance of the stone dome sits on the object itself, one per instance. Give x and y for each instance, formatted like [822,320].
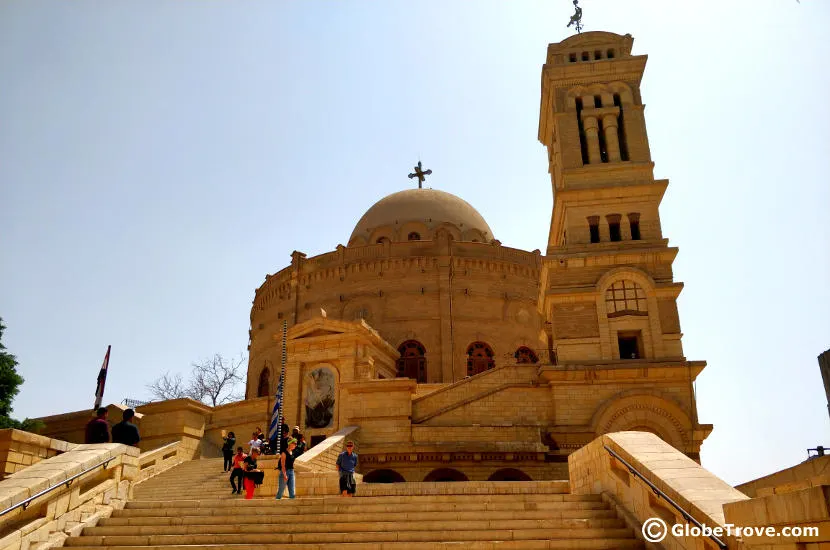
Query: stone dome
[420,212]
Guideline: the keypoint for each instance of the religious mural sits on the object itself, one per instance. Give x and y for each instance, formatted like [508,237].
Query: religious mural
[319,398]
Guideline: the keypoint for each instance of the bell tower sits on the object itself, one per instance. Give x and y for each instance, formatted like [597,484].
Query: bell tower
[609,287]
[608,293]
[591,121]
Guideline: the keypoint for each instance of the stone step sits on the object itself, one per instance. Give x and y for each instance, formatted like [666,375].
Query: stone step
[335,508]
[504,515]
[361,501]
[360,536]
[376,525]
[558,544]
[382,489]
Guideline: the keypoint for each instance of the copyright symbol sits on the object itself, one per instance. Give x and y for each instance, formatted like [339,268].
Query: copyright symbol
[655,529]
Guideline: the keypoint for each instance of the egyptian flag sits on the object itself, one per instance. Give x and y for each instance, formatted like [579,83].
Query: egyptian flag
[102,379]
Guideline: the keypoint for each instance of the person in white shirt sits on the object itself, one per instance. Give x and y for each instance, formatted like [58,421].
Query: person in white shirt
[254,443]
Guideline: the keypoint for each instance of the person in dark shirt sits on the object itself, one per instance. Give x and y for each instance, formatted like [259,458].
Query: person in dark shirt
[346,464]
[253,475]
[286,468]
[301,446]
[125,431]
[228,442]
[98,429]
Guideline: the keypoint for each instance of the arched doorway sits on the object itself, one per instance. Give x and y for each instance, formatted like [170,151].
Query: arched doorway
[479,358]
[445,474]
[509,474]
[526,355]
[264,387]
[413,361]
[383,476]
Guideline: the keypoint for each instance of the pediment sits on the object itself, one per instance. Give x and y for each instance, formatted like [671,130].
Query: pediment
[318,332]
[320,327]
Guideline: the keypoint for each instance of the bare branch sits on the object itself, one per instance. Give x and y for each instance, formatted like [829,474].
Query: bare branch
[214,380]
[168,387]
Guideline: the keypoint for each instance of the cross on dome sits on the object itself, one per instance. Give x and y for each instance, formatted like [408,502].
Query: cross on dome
[420,174]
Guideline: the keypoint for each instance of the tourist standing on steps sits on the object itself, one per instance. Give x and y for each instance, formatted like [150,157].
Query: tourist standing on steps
[98,429]
[287,469]
[301,446]
[254,443]
[253,475]
[346,464]
[125,431]
[228,442]
[238,472]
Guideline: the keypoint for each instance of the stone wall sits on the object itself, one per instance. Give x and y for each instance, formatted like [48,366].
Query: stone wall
[701,494]
[404,291]
[66,510]
[19,449]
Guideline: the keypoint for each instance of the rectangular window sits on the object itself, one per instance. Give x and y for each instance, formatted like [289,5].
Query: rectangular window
[630,344]
[634,222]
[614,227]
[593,225]
[572,58]
[610,54]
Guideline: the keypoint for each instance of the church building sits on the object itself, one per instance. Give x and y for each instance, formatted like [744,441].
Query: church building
[459,358]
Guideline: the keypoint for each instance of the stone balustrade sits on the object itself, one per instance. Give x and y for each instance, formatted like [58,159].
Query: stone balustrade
[152,463]
[73,503]
[19,449]
[593,469]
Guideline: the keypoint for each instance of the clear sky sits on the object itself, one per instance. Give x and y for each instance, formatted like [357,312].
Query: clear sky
[158,159]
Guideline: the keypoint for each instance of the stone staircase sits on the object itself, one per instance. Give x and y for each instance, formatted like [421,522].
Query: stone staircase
[471,389]
[181,510]
[195,479]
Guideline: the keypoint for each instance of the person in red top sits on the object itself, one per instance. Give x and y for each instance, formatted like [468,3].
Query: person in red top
[98,429]
[238,472]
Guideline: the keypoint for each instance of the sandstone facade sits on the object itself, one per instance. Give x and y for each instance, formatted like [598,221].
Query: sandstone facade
[497,352]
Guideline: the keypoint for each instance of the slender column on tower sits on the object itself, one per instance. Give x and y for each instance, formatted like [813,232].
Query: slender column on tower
[612,138]
[592,137]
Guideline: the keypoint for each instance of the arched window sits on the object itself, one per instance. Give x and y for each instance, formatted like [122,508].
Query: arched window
[264,387]
[479,358]
[383,476]
[382,240]
[446,474]
[414,236]
[413,361]
[509,474]
[626,298]
[526,355]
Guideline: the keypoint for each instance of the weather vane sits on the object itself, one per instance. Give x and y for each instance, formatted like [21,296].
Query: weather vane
[420,174]
[576,18]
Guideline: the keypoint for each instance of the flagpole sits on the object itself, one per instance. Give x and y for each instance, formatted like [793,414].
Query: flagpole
[275,431]
[102,380]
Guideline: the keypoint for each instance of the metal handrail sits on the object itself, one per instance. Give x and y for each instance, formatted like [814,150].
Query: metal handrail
[660,494]
[66,482]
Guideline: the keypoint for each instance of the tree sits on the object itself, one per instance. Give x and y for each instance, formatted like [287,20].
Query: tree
[212,381]
[169,387]
[10,382]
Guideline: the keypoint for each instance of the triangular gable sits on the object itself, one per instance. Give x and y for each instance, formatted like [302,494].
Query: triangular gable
[317,332]
[318,327]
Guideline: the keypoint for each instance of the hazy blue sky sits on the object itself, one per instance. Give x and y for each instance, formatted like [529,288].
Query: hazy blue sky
[157,159]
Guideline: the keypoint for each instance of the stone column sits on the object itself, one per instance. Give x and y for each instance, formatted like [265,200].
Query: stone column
[612,138]
[591,127]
